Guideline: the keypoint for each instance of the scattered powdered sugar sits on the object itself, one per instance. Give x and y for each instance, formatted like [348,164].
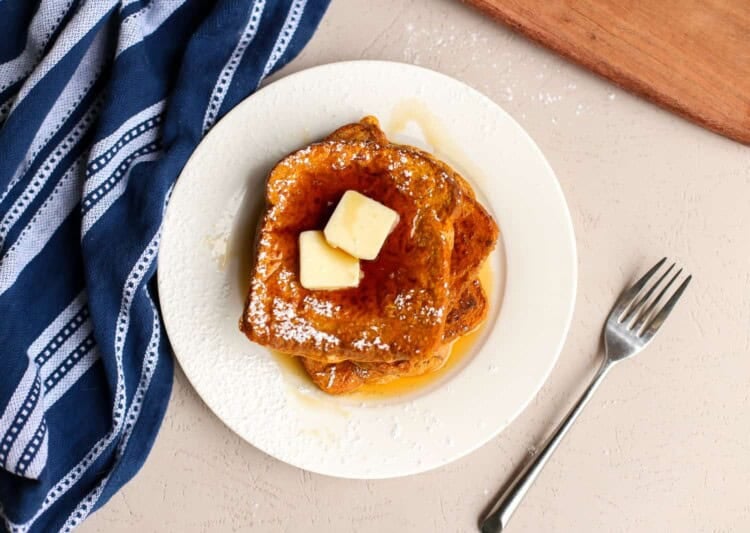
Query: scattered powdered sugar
[288,325]
[413,302]
[218,241]
[286,277]
[498,63]
[370,338]
[331,376]
[548,98]
[506,94]
[403,299]
[321,307]
[342,159]
[256,312]
[364,342]
[431,312]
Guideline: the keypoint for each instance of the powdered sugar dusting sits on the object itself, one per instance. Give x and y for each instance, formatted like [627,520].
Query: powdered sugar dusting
[500,64]
[370,338]
[288,325]
[321,307]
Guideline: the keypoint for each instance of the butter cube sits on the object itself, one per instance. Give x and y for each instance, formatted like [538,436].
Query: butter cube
[360,225]
[324,267]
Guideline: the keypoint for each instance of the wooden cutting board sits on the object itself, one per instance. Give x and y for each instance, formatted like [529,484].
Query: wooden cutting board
[689,56]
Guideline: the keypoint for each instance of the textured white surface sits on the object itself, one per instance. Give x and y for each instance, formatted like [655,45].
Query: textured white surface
[663,445]
[358,436]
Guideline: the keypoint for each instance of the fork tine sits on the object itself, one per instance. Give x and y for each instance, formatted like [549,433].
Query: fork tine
[627,297]
[634,311]
[653,325]
[645,315]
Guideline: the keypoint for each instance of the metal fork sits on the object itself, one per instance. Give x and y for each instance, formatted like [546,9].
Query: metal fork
[630,327]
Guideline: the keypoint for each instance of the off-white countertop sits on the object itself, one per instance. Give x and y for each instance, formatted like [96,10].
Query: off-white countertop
[664,446]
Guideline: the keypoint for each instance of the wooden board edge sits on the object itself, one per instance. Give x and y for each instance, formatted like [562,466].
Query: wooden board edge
[736,131]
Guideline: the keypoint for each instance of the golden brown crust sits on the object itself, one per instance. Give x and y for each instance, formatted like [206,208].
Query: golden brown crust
[467,313]
[366,130]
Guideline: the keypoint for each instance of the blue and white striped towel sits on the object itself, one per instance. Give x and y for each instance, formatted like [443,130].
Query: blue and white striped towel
[101,104]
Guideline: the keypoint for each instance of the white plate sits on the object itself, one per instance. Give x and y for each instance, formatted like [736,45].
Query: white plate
[204,267]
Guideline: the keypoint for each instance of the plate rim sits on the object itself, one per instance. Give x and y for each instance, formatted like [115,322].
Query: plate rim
[568,228]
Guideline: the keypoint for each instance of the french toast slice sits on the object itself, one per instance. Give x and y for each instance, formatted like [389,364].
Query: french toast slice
[475,231]
[475,234]
[399,310]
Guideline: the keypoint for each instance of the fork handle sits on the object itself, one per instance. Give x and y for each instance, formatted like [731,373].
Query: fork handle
[498,518]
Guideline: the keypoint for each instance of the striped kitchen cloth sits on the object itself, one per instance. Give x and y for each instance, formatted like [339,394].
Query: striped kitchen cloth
[101,104]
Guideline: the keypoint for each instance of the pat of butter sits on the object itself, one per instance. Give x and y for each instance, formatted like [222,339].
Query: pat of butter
[324,267]
[360,225]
